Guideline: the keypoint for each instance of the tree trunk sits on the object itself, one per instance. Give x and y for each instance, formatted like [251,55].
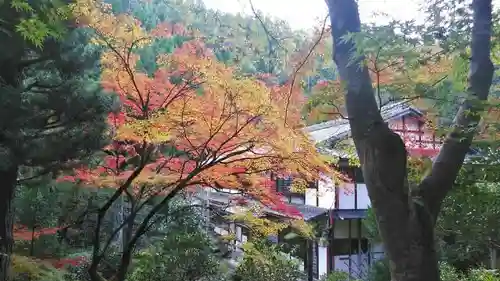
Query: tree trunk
[124,264]
[406,220]
[8,178]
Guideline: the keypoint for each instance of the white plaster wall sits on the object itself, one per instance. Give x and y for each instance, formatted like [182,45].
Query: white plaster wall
[363,198]
[322,260]
[347,196]
[310,197]
[326,192]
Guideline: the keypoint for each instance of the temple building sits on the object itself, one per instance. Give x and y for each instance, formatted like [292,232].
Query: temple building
[341,242]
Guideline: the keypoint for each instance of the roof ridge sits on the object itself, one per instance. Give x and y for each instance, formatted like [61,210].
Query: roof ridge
[342,121]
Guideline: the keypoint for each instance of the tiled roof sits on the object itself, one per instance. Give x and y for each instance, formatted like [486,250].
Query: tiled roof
[221,199]
[309,212]
[337,129]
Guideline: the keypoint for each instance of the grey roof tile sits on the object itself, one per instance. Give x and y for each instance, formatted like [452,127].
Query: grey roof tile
[309,212]
[340,128]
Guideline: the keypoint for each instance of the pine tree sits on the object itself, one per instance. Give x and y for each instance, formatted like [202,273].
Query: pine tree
[51,111]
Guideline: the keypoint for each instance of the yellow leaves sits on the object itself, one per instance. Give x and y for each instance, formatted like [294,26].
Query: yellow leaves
[153,130]
[260,227]
[299,185]
[264,227]
[433,70]
[120,31]
[303,228]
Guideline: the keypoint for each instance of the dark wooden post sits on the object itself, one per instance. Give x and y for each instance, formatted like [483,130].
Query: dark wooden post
[309,260]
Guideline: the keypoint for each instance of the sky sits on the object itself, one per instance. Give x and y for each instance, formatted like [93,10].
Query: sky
[305,14]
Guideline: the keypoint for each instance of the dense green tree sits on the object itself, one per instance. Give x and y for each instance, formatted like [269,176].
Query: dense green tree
[51,111]
[468,225]
[184,253]
[256,44]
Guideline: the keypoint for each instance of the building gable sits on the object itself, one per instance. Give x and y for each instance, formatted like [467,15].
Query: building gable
[402,118]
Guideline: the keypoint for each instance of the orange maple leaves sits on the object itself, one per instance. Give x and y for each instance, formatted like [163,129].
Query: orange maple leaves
[193,122]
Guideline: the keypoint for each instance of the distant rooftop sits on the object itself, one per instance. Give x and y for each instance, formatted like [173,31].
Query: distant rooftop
[340,128]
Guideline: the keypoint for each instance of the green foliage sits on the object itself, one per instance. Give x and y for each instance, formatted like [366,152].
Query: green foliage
[482,274]
[184,253]
[237,40]
[36,203]
[370,225]
[51,109]
[35,21]
[468,224]
[379,271]
[448,272]
[37,208]
[148,54]
[28,269]
[179,256]
[337,276]
[263,262]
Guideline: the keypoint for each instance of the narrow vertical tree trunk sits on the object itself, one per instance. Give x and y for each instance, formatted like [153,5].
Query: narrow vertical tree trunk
[406,220]
[118,218]
[8,180]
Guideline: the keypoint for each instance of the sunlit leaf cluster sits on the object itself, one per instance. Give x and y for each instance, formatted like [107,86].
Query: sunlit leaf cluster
[37,21]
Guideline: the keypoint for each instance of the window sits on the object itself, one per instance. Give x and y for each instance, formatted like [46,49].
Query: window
[349,246]
[283,184]
[358,175]
[313,184]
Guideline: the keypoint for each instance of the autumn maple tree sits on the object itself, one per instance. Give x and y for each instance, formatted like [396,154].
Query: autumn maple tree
[193,123]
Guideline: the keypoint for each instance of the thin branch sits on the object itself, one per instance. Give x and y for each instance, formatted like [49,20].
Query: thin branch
[436,185]
[309,53]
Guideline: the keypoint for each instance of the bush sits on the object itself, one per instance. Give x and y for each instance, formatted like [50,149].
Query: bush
[179,256]
[448,272]
[264,262]
[28,269]
[380,272]
[482,274]
[337,276]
